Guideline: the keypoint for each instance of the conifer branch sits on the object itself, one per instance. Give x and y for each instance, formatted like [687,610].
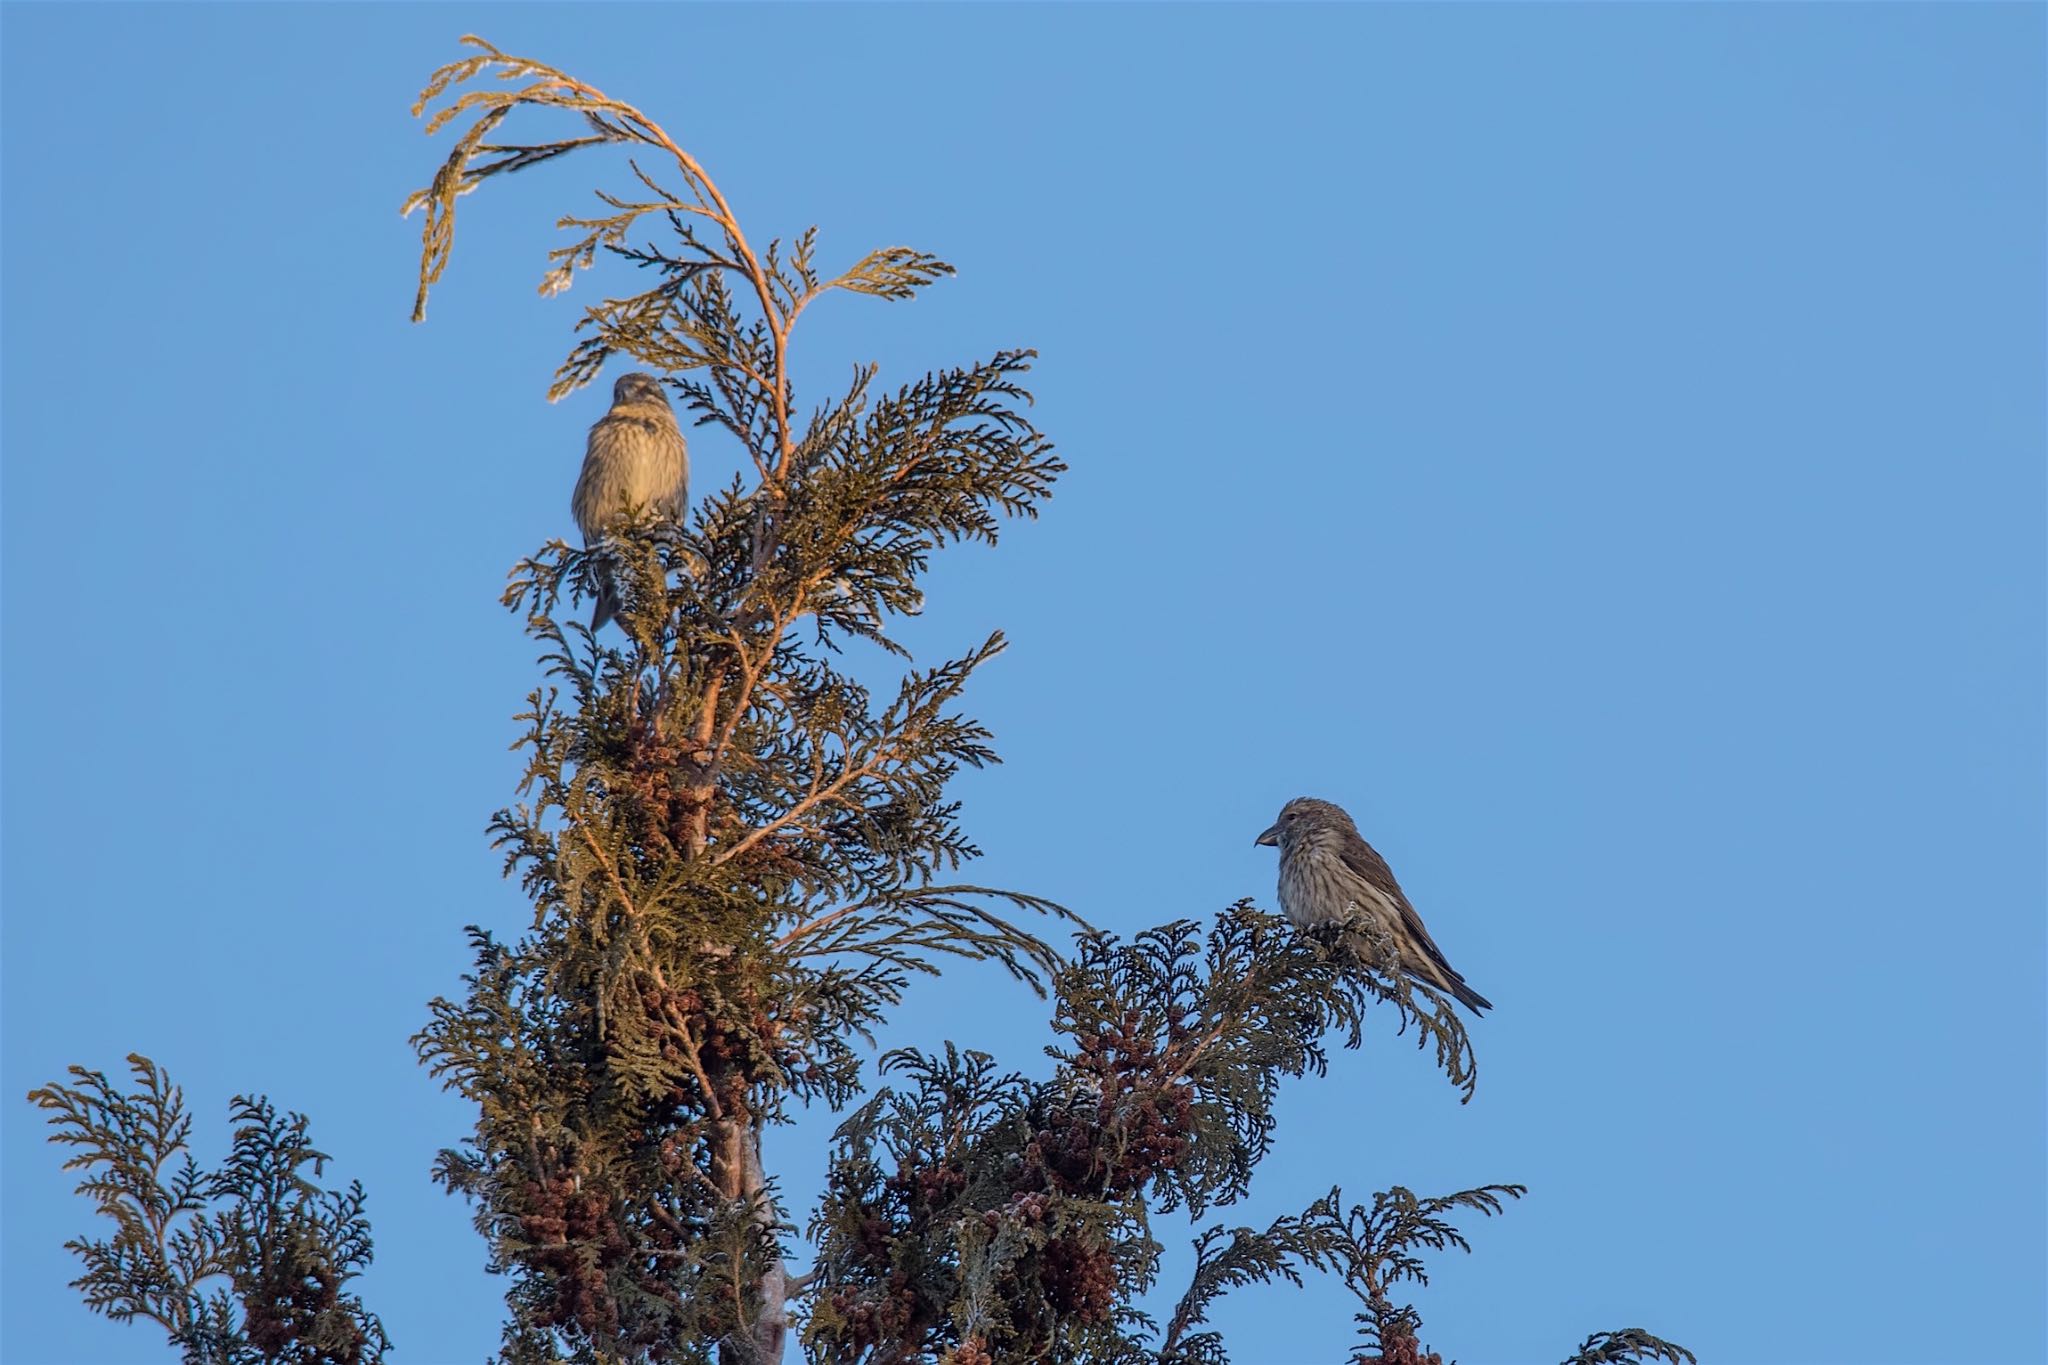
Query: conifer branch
[239,1265]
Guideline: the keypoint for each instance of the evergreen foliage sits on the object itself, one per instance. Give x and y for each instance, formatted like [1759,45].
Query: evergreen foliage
[238,1265]
[739,857]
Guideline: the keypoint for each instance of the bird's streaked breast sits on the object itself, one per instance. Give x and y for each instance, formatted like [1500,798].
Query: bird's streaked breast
[636,456]
[1316,888]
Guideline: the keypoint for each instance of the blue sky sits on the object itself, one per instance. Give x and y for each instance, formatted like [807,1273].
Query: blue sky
[1601,446]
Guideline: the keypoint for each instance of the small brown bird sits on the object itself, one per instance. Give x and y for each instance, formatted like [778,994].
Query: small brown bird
[636,460]
[1328,873]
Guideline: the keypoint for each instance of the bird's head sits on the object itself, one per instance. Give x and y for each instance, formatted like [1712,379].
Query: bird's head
[1303,816]
[638,388]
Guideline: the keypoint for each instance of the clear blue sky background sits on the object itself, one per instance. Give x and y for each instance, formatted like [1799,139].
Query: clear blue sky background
[1601,446]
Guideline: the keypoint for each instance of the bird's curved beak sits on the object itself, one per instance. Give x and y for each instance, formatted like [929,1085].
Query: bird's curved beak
[1271,838]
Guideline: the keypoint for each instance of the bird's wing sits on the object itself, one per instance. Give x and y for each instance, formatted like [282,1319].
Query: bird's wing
[679,500]
[1366,863]
[584,501]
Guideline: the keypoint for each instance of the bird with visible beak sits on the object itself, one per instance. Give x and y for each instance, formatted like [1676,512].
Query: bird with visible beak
[635,460]
[1329,874]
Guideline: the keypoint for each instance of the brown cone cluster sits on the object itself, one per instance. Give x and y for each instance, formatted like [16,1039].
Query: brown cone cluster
[291,1312]
[1122,1119]
[1401,1348]
[1138,1126]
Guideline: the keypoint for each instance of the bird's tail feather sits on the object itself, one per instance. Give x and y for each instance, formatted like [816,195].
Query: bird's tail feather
[1469,998]
[607,606]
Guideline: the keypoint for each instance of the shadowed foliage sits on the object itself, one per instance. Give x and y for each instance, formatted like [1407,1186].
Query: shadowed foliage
[740,851]
[242,1264]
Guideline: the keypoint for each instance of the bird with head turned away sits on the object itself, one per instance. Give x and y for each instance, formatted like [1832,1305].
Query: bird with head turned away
[1329,875]
[635,461]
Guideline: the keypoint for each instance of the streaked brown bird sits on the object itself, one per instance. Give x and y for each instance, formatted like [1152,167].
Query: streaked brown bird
[1329,873]
[635,460]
